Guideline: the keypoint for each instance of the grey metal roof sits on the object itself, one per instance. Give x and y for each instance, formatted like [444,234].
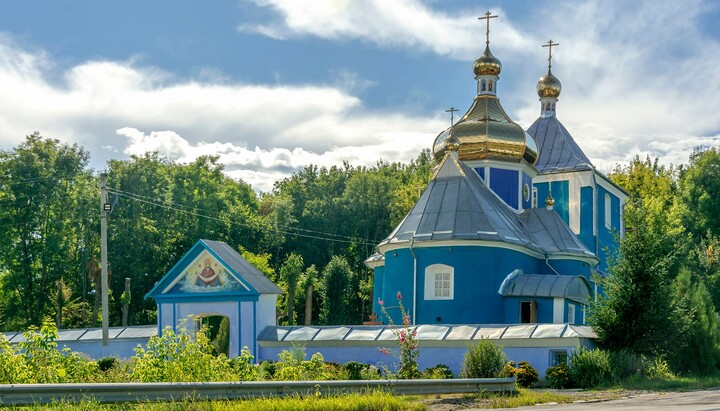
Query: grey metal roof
[428,332]
[94,334]
[573,287]
[553,235]
[240,265]
[558,150]
[458,205]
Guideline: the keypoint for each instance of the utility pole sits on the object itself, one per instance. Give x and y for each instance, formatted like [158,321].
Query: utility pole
[104,208]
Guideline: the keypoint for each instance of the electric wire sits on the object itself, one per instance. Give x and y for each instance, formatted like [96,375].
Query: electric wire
[176,207]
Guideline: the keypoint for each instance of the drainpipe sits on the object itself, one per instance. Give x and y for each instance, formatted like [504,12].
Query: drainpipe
[596,214]
[548,264]
[414,309]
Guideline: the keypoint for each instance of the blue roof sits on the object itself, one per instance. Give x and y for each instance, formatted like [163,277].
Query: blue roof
[558,150]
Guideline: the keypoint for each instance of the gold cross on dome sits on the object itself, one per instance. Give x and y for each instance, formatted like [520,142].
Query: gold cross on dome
[487,30]
[452,111]
[550,45]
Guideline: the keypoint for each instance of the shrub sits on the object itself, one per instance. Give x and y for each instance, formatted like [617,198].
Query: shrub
[589,368]
[354,370]
[407,340]
[508,370]
[558,376]
[438,372]
[13,369]
[622,365]
[526,374]
[107,363]
[657,368]
[483,360]
[180,357]
[267,369]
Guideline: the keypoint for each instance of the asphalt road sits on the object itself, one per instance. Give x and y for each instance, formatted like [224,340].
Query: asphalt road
[690,401]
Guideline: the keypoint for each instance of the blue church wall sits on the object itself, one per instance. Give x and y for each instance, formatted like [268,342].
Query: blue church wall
[586,218]
[579,312]
[512,309]
[481,172]
[505,184]
[570,267]
[526,180]
[607,228]
[478,273]
[560,193]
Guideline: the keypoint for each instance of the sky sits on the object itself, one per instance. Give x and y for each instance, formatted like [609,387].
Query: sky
[271,86]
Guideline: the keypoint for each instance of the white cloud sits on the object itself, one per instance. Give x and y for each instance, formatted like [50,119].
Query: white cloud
[406,23]
[638,77]
[262,167]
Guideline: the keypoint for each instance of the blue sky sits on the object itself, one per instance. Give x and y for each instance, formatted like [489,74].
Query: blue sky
[273,85]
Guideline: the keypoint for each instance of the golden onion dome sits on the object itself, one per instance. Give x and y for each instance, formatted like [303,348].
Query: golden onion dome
[487,64]
[549,86]
[487,132]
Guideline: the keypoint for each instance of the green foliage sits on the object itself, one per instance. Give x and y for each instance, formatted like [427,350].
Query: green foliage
[438,372]
[179,357]
[558,376]
[526,374]
[698,350]
[406,339]
[292,366]
[354,369]
[483,360]
[106,363]
[589,368]
[700,192]
[509,370]
[290,273]
[335,292]
[637,311]
[657,368]
[623,364]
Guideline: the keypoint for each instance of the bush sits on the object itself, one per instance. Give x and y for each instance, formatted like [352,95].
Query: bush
[107,363]
[267,370]
[483,360]
[589,368]
[657,368]
[526,374]
[181,357]
[438,372]
[508,370]
[622,365]
[354,370]
[558,376]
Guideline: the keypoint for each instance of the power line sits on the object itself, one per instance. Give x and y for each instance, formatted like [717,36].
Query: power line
[176,207]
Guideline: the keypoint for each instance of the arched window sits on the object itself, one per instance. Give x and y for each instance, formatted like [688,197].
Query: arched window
[439,282]
[482,85]
[490,85]
[547,106]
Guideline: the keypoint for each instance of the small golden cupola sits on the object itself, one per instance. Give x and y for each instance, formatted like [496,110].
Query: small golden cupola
[548,87]
[486,132]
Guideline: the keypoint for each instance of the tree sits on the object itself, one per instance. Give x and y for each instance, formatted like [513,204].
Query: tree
[700,192]
[290,273]
[637,311]
[698,352]
[335,287]
[46,226]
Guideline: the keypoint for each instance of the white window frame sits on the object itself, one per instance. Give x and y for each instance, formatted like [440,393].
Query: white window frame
[534,198]
[431,273]
[571,313]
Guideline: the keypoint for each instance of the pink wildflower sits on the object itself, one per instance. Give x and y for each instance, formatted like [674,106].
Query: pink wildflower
[380,302]
[399,296]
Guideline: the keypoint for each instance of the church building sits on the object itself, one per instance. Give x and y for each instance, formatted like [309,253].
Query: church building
[513,226]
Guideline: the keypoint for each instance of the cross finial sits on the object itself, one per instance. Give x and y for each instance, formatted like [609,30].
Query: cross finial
[452,111]
[550,45]
[487,30]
